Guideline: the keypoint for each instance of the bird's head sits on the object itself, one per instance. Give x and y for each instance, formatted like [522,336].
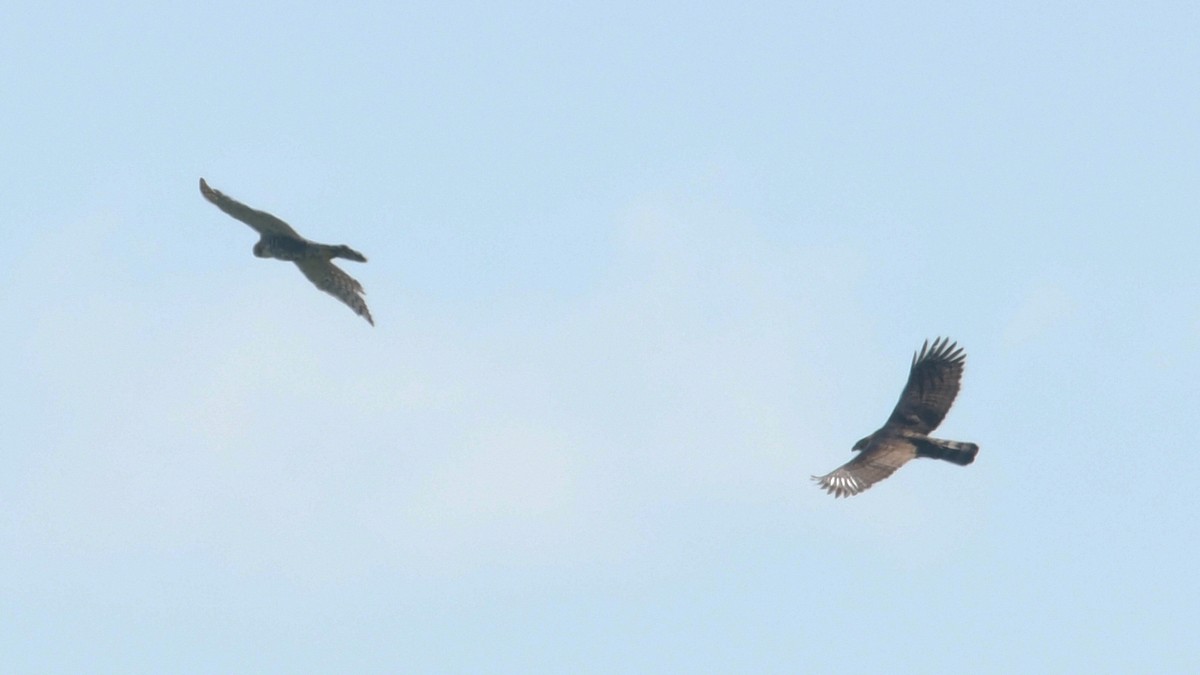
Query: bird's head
[260,250]
[862,444]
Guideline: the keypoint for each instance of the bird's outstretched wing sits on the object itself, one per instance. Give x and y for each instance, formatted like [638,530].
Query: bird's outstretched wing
[261,221]
[329,278]
[866,469]
[933,383]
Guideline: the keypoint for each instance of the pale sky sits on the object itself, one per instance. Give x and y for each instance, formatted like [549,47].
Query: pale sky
[638,271]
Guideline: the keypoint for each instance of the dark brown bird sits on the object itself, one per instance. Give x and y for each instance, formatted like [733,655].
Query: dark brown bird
[278,240]
[933,383]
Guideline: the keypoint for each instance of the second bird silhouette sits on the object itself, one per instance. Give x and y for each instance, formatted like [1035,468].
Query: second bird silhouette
[278,240]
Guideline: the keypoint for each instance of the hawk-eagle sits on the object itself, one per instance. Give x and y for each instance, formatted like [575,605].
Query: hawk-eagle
[278,240]
[932,385]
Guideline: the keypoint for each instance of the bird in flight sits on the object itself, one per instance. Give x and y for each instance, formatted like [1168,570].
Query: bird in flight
[278,240]
[933,382]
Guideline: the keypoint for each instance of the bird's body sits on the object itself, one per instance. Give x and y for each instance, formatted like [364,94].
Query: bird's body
[278,240]
[933,383]
[290,249]
[295,249]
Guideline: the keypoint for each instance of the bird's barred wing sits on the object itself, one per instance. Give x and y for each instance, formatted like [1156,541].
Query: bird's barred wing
[868,468]
[329,278]
[261,221]
[933,383]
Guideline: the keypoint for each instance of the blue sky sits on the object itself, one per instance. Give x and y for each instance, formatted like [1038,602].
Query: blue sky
[638,272]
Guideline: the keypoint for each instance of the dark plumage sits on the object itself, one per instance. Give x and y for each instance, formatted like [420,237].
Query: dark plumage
[933,383]
[278,240]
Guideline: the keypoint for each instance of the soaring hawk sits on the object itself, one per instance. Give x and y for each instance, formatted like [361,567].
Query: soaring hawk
[932,385]
[278,240]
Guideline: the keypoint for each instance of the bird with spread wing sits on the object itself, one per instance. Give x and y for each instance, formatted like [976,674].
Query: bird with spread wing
[933,383]
[278,240]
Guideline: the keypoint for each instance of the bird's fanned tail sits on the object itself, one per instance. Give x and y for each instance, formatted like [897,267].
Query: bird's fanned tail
[348,253]
[957,452]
